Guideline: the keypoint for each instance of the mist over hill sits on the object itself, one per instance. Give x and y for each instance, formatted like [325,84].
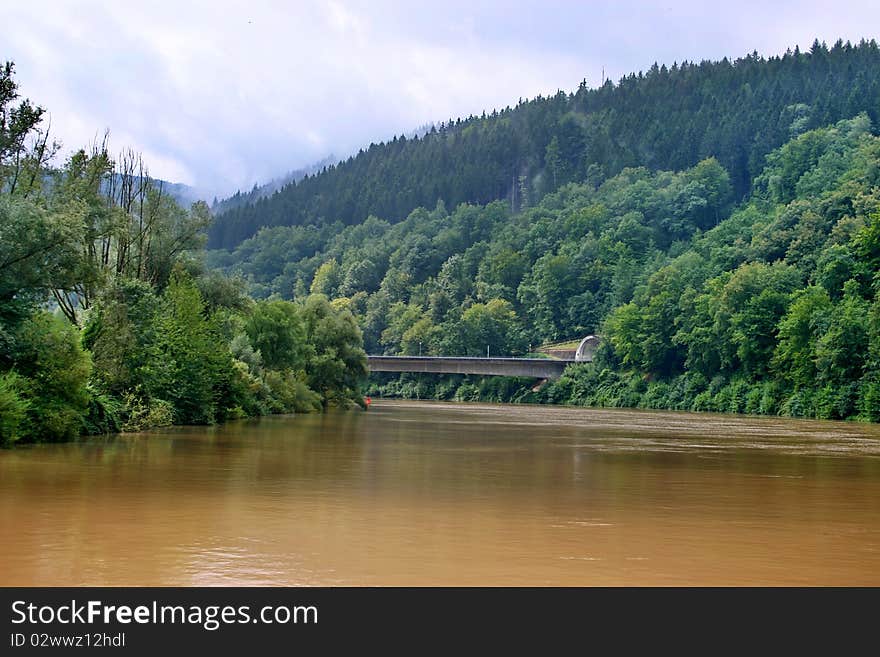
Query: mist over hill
[258,192]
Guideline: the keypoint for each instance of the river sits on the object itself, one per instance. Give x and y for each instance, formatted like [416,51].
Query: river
[419,493]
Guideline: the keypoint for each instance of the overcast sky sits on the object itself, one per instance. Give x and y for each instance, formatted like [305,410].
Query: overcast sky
[222,95]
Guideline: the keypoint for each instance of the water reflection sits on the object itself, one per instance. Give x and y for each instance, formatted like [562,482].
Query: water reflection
[418,493]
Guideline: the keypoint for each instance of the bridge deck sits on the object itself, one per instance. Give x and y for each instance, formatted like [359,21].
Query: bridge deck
[541,368]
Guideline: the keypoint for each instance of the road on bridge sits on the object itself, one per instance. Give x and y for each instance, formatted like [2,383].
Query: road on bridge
[539,368]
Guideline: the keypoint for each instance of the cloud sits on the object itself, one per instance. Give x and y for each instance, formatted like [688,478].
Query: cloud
[223,95]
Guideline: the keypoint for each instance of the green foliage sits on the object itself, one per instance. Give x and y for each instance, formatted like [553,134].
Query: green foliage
[24,145]
[105,414]
[327,279]
[189,365]
[841,349]
[38,249]
[337,366]
[14,408]
[289,394]
[145,413]
[807,318]
[403,333]
[869,400]
[749,307]
[491,328]
[56,371]
[120,331]
[275,329]
[866,243]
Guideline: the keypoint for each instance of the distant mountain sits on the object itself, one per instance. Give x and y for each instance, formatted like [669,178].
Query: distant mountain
[184,194]
[240,199]
[668,118]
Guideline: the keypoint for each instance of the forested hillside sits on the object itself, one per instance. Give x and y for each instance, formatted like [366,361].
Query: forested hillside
[668,118]
[768,305]
[774,311]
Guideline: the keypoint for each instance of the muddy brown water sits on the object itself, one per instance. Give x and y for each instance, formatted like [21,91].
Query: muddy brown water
[417,493]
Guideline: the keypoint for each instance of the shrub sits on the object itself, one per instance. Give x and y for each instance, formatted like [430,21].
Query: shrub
[771,396]
[793,406]
[289,394]
[738,394]
[57,370]
[13,408]
[822,407]
[753,399]
[703,402]
[104,414]
[846,401]
[656,396]
[869,400]
[144,413]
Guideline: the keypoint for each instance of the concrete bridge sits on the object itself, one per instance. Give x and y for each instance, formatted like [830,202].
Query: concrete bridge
[539,368]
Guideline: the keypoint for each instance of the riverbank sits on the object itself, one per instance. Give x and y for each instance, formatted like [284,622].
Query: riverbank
[591,386]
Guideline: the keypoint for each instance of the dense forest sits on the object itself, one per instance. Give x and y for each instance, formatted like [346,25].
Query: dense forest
[668,118]
[706,298]
[108,318]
